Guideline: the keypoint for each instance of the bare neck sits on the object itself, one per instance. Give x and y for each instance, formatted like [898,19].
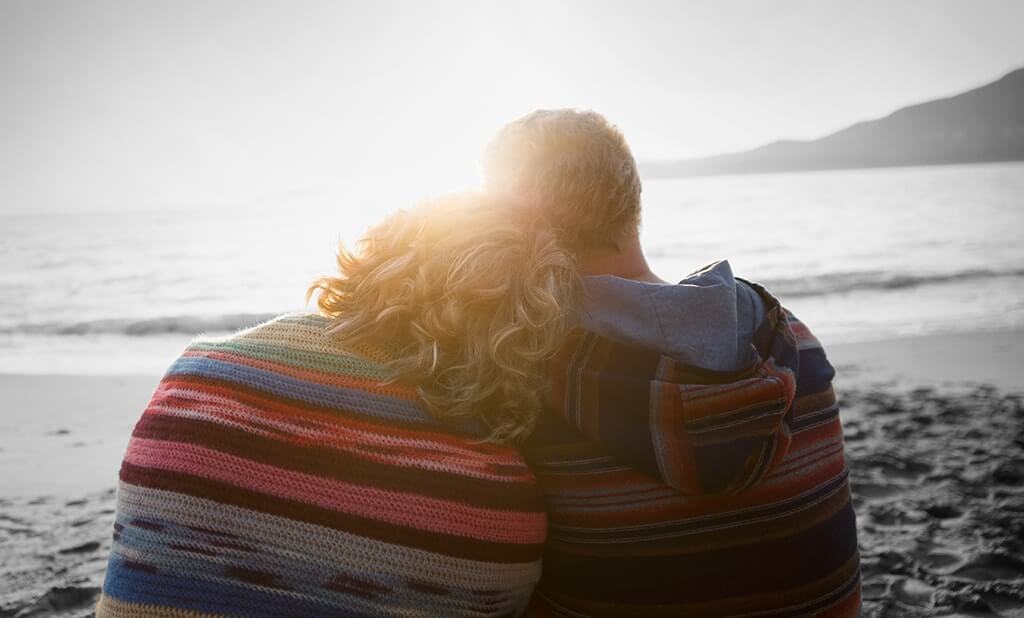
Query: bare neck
[628,262]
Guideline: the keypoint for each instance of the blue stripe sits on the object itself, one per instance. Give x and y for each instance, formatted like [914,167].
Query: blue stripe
[297,573]
[165,590]
[346,399]
[302,573]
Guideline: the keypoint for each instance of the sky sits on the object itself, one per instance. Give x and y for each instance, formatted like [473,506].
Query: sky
[135,104]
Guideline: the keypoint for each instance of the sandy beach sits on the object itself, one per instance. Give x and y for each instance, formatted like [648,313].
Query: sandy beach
[935,440]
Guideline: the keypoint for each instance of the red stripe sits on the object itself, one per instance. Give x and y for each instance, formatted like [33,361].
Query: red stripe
[410,510]
[678,508]
[278,407]
[504,489]
[378,446]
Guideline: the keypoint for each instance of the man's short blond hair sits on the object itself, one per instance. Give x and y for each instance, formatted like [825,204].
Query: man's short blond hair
[577,167]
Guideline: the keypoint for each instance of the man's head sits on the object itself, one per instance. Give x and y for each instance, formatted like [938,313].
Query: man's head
[574,165]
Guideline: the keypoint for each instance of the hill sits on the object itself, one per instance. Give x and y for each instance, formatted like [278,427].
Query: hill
[981,125]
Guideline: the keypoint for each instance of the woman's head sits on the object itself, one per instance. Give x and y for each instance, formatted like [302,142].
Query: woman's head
[475,294]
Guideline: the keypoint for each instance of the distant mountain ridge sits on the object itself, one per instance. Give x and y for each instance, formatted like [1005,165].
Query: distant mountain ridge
[981,125]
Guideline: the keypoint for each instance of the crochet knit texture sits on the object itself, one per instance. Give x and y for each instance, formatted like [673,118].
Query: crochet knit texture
[273,474]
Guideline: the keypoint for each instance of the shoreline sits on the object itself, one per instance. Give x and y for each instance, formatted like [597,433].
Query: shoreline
[63,435]
[1005,343]
[950,360]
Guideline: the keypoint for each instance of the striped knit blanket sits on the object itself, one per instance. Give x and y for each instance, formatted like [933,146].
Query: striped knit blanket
[272,475]
[676,491]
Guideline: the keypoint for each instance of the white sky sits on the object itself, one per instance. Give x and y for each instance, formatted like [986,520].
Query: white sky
[140,105]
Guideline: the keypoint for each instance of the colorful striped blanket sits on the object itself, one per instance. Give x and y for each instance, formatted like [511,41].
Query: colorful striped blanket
[673,490]
[273,475]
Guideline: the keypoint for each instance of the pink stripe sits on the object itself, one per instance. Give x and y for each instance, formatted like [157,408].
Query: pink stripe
[409,510]
[447,442]
[329,433]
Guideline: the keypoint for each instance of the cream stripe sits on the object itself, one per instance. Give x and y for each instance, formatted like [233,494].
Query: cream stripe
[110,607]
[302,540]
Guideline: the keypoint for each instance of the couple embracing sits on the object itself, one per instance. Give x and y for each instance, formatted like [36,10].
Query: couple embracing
[498,409]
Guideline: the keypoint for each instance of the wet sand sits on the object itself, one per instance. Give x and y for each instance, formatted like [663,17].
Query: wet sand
[935,441]
[61,443]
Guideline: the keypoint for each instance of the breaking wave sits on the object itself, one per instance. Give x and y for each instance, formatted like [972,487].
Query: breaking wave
[839,283]
[790,287]
[135,327]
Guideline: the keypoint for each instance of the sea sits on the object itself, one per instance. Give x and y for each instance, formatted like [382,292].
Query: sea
[859,255]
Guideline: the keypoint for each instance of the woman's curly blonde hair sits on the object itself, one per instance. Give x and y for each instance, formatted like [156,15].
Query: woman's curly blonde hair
[473,292]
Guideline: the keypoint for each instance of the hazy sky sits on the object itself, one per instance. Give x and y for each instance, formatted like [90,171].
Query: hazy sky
[140,104]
